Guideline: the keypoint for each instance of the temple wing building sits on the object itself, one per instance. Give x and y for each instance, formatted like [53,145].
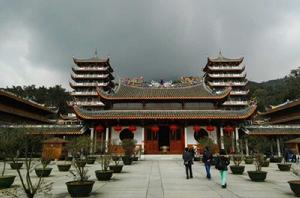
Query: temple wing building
[163,117]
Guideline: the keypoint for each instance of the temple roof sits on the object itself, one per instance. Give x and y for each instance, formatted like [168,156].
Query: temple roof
[51,129]
[91,60]
[221,58]
[285,105]
[28,102]
[127,92]
[274,129]
[165,114]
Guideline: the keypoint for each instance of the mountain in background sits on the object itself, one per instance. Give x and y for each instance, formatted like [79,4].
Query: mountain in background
[272,92]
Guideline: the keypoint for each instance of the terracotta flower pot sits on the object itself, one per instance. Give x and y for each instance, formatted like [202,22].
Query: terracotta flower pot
[17,165]
[90,160]
[104,175]
[40,172]
[80,189]
[127,160]
[6,181]
[237,170]
[257,176]
[63,167]
[295,187]
[80,163]
[284,167]
[116,168]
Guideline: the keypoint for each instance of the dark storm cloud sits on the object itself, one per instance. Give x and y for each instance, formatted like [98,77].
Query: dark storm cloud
[154,39]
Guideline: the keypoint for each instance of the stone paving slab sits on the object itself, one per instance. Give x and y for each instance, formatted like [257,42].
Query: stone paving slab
[165,178]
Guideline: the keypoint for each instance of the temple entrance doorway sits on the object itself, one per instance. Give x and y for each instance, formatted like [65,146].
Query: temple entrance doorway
[164,139]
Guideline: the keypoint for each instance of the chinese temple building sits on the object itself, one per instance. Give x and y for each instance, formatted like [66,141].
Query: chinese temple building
[280,122]
[171,117]
[223,72]
[17,110]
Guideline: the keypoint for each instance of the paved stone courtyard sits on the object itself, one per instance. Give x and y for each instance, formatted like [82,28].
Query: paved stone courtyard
[155,177]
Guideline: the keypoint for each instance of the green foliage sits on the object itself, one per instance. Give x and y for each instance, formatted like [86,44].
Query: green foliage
[53,96]
[259,145]
[206,142]
[275,92]
[128,146]
[80,146]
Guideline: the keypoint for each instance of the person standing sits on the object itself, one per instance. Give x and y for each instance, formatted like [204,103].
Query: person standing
[188,161]
[207,158]
[221,164]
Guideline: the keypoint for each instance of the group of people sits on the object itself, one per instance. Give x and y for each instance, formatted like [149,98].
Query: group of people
[222,162]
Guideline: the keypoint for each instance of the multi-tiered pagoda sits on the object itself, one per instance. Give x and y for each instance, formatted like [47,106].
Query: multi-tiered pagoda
[87,75]
[223,72]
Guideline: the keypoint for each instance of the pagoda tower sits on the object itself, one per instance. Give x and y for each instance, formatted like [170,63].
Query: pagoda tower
[224,72]
[87,75]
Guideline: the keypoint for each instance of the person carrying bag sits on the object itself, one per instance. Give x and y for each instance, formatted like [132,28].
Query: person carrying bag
[222,165]
[188,161]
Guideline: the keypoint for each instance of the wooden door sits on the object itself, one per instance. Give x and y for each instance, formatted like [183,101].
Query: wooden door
[150,142]
[177,141]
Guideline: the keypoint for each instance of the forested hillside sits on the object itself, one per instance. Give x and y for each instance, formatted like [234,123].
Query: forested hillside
[275,92]
[53,96]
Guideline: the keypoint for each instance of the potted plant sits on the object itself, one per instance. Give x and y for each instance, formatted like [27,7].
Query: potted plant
[30,146]
[43,171]
[237,169]
[80,186]
[104,174]
[9,142]
[90,159]
[116,167]
[105,150]
[249,159]
[284,166]
[128,146]
[266,162]
[258,144]
[276,159]
[64,166]
[80,147]
[295,184]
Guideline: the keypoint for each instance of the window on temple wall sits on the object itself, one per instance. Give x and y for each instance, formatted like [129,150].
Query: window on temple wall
[200,134]
[126,134]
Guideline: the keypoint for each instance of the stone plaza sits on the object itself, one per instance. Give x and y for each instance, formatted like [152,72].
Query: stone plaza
[163,176]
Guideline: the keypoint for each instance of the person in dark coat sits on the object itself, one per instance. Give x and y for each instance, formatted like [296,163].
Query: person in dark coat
[188,161]
[221,164]
[206,159]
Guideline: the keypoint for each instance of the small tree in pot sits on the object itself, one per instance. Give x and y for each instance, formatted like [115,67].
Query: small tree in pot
[295,184]
[258,144]
[284,166]
[80,186]
[116,157]
[10,142]
[80,148]
[104,174]
[128,146]
[237,169]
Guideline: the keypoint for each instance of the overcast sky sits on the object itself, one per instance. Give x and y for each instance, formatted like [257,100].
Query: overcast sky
[155,39]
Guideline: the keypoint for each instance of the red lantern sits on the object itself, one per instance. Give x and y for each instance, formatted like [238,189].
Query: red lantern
[197,128]
[173,128]
[154,129]
[210,128]
[118,128]
[228,129]
[99,128]
[132,128]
